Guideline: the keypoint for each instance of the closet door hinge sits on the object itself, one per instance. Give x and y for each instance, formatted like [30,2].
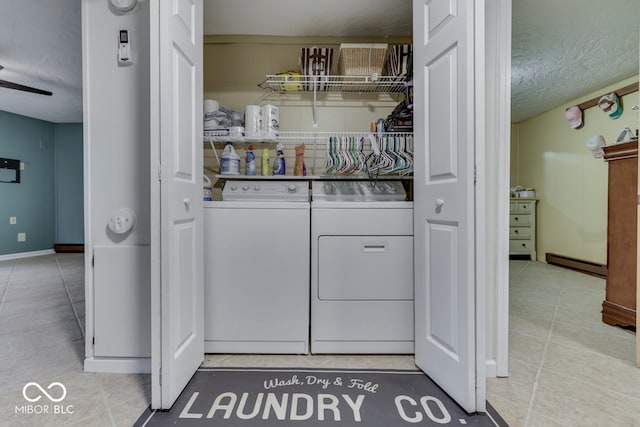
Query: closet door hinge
[159,172]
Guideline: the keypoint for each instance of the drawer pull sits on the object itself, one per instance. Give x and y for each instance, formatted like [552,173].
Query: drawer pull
[374,247]
[515,218]
[515,231]
[524,245]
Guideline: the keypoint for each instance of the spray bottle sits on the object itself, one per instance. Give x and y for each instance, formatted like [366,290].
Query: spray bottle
[250,162]
[279,167]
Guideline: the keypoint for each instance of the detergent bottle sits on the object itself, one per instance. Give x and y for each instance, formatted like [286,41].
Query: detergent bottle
[266,164]
[230,164]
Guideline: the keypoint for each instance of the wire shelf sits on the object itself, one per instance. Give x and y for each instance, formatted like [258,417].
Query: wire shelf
[344,154]
[294,137]
[286,83]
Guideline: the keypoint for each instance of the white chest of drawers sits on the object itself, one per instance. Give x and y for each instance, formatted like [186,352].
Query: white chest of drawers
[522,227]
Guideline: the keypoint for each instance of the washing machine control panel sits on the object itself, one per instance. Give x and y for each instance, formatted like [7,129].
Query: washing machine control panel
[284,191]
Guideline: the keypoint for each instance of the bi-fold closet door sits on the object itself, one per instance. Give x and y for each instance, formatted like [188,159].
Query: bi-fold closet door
[448,52]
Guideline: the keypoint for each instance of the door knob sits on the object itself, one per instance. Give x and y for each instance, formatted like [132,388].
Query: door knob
[439,205]
[187,202]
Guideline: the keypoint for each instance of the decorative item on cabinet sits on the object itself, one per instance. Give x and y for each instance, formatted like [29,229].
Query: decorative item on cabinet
[619,306]
[522,227]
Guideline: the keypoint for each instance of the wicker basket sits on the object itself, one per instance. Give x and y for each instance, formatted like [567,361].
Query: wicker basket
[361,59]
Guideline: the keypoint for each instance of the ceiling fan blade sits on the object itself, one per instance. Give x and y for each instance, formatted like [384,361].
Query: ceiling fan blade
[16,86]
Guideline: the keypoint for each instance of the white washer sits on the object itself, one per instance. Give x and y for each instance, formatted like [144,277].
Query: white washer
[361,268]
[257,268]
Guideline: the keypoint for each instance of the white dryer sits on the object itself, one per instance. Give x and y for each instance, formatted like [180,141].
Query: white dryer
[257,268]
[361,268]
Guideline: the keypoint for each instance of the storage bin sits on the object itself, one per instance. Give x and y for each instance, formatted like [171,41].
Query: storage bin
[361,59]
[399,61]
[316,61]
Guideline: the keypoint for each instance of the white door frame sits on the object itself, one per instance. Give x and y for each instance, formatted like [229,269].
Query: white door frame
[498,159]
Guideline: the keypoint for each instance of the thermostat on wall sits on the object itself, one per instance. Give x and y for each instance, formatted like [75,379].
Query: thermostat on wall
[124,48]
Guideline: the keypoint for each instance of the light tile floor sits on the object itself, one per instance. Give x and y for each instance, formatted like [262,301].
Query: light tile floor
[567,368]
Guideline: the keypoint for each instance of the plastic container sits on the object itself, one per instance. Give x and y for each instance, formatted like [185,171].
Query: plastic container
[266,164]
[230,164]
[299,168]
[207,189]
[250,162]
[279,164]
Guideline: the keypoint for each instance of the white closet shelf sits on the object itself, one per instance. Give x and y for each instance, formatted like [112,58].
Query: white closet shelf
[283,83]
[296,137]
[325,177]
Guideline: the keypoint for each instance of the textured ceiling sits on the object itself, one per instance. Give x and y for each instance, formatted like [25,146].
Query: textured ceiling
[561,50]
[40,45]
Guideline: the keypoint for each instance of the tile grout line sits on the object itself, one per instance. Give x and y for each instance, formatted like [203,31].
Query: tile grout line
[106,402]
[66,289]
[6,289]
[544,355]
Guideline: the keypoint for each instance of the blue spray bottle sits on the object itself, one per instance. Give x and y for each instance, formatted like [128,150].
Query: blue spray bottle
[279,167]
[250,164]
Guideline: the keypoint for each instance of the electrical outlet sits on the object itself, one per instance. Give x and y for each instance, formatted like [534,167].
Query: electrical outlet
[22,237]
[12,220]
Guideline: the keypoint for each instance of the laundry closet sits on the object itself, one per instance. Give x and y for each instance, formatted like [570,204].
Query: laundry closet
[318,261]
[339,250]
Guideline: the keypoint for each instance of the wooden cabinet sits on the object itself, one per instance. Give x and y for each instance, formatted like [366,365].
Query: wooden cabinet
[619,306]
[522,227]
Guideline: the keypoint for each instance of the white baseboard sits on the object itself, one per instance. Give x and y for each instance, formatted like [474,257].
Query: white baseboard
[26,254]
[140,365]
[491,369]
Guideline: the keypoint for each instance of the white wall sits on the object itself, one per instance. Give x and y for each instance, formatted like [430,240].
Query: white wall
[116,143]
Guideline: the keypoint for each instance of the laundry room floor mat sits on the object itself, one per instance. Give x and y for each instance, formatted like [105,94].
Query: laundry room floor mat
[314,397]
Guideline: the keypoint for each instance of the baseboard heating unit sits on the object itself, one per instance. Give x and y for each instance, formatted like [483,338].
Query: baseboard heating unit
[587,267]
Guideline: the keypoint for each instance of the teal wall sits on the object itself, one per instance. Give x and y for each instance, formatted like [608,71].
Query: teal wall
[69,200]
[33,200]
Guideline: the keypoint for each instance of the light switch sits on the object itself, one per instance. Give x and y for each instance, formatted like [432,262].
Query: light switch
[22,237]
[12,220]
